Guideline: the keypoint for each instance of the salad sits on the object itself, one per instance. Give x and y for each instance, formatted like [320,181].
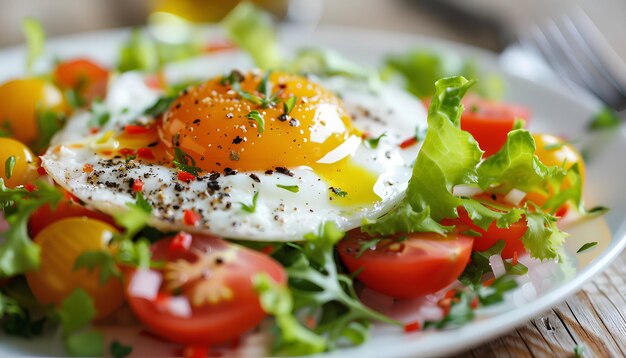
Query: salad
[210,193]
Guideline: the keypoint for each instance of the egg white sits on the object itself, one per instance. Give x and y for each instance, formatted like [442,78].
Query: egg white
[280,215]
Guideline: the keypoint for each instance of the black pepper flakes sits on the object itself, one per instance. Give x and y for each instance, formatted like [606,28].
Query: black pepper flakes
[237,140]
[196,121]
[255,178]
[269,172]
[283,170]
[214,176]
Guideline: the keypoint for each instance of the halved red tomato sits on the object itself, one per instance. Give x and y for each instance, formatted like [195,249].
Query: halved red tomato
[511,235]
[406,266]
[84,75]
[490,122]
[204,293]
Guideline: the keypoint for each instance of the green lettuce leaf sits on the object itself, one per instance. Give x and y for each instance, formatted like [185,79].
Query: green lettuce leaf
[403,219]
[253,31]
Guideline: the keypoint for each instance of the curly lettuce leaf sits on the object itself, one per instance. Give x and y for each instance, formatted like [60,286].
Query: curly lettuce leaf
[253,31]
[448,156]
[403,219]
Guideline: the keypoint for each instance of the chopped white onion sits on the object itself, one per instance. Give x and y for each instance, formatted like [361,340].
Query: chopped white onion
[145,284]
[515,196]
[497,265]
[179,306]
[466,190]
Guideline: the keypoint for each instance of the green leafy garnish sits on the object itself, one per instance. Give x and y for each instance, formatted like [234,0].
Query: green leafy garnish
[579,350]
[138,53]
[160,106]
[17,321]
[9,164]
[48,123]
[35,40]
[586,246]
[185,162]
[373,142]
[18,253]
[100,115]
[289,104]
[479,265]
[606,118]
[291,188]
[403,219]
[258,118]
[103,260]
[338,191]
[252,30]
[120,350]
[252,207]
[75,314]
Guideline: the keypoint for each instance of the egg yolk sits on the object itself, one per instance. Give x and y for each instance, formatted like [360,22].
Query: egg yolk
[241,122]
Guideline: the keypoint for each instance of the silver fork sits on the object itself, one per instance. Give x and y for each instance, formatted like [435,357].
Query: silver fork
[577,51]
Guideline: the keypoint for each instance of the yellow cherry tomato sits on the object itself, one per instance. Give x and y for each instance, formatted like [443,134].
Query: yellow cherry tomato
[19,102]
[22,167]
[552,150]
[61,243]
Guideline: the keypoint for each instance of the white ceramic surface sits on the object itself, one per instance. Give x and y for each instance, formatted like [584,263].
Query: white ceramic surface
[554,109]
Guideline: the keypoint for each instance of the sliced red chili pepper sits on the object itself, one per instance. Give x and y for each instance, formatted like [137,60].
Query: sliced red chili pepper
[488,282]
[412,327]
[186,177]
[514,262]
[408,143]
[137,185]
[41,171]
[30,187]
[180,242]
[474,303]
[126,151]
[136,130]
[190,217]
[145,153]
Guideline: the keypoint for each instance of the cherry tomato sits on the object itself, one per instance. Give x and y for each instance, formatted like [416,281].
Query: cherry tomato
[67,208]
[61,243]
[490,122]
[511,235]
[423,263]
[204,293]
[25,167]
[19,102]
[85,75]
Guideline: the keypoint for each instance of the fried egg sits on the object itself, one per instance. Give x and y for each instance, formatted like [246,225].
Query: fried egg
[273,175]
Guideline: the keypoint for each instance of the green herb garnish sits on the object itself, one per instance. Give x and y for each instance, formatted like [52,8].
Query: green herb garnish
[291,188]
[337,191]
[289,104]
[185,162]
[586,247]
[373,142]
[160,106]
[252,207]
[9,164]
[258,118]
[606,118]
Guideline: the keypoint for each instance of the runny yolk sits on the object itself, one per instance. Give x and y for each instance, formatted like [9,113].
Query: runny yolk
[211,123]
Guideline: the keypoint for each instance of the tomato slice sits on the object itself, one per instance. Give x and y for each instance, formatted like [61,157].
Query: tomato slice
[67,208]
[82,74]
[511,235]
[490,122]
[421,264]
[203,294]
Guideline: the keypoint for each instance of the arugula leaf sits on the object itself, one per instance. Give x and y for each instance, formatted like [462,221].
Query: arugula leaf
[120,350]
[252,30]
[587,246]
[9,164]
[403,219]
[35,40]
[185,162]
[18,253]
[258,118]
[294,339]
[291,188]
[104,260]
[252,207]
[606,118]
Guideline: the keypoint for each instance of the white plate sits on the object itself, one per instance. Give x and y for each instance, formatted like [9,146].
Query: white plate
[555,110]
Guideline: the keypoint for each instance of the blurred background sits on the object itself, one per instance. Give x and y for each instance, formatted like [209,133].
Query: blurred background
[506,26]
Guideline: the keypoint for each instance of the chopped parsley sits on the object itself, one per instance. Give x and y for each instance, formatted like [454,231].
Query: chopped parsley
[252,207]
[258,118]
[291,188]
[337,191]
[9,164]
[373,142]
[586,247]
[160,106]
[101,259]
[185,162]
[289,104]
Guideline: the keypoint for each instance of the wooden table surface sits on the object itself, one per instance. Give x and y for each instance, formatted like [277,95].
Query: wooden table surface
[594,318]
